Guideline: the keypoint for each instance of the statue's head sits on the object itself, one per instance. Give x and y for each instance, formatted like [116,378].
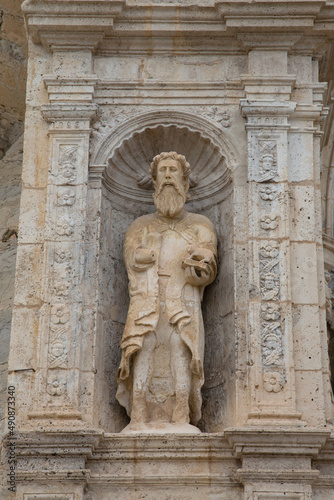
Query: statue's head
[170,173]
[267,161]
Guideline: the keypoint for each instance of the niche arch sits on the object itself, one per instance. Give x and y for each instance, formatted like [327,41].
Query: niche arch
[126,193]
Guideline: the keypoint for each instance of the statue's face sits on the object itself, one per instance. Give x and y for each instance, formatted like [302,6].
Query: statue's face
[57,349]
[169,170]
[269,283]
[267,163]
[170,194]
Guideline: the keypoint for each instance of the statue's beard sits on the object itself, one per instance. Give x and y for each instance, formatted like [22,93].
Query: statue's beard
[169,200]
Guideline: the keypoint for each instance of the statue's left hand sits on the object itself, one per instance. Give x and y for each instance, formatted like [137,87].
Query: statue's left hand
[201,254]
[198,274]
[196,277]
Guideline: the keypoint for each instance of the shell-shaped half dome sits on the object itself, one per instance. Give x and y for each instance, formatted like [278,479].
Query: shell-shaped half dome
[127,174]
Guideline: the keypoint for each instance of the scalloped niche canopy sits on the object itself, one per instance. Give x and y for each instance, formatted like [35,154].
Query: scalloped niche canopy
[127,174]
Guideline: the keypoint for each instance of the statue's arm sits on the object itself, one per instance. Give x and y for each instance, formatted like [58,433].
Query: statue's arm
[137,256]
[201,267]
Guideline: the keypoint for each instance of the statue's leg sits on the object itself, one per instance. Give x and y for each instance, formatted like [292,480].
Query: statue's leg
[180,363]
[142,371]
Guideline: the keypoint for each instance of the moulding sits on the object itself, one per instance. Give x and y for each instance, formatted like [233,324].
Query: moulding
[64,41]
[62,89]
[63,18]
[127,16]
[266,475]
[266,107]
[48,496]
[268,40]
[277,441]
[77,112]
[91,457]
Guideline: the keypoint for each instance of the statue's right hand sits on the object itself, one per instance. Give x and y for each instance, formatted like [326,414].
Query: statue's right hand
[144,257]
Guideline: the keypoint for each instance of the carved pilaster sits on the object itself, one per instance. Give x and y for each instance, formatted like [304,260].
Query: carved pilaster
[60,337]
[271,344]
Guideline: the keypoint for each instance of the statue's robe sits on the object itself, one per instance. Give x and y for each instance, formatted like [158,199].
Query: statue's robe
[182,300]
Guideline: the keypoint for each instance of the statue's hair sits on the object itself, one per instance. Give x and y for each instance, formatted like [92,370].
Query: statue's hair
[172,154]
[269,155]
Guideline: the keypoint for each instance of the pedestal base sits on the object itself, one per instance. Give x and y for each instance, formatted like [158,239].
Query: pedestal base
[160,428]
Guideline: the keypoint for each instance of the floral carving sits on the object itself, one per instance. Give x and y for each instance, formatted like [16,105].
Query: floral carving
[64,227]
[56,387]
[273,381]
[66,197]
[223,117]
[60,314]
[270,250]
[62,257]
[268,193]
[269,222]
[270,312]
[61,288]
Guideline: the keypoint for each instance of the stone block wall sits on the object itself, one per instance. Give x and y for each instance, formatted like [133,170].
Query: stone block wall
[10,190]
[13,69]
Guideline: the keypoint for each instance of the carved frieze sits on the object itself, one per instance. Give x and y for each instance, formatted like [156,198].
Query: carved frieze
[58,353]
[271,331]
[67,165]
[219,115]
[266,157]
[270,312]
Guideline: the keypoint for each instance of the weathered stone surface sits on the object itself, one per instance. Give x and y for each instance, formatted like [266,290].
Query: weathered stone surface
[13,66]
[10,188]
[238,89]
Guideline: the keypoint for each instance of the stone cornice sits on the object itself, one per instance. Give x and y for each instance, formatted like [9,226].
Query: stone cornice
[275,441]
[57,441]
[234,442]
[266,107]
[65,19]
[53,112]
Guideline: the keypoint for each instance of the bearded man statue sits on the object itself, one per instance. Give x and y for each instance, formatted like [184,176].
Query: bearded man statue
[170,257]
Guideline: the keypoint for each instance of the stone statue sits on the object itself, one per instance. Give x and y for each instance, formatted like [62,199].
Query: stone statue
[170,257]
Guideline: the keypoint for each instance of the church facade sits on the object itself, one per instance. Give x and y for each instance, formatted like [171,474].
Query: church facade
[244,90]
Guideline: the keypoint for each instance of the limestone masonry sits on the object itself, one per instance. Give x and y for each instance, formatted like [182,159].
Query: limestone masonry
[244,91]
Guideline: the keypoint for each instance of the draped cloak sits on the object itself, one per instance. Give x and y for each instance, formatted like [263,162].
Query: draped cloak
[183,309]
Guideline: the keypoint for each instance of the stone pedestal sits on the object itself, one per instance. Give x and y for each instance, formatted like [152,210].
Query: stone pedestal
[233,86]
